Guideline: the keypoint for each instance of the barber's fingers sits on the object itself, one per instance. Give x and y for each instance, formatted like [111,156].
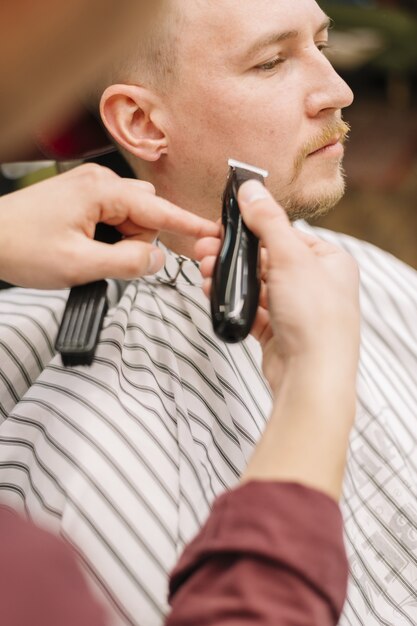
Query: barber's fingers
[132,230]
[207,251]
[268,220]
[208,263]
[127,202]
[270,223]
[262,329]
[117,200]
[141,184]
[114,200]
[207,283]
[99,174]
[318,246]
[207,268]
[207,247]
[127,259]
[156,213]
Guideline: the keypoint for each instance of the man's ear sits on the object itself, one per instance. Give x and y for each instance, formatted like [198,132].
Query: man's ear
[130,113]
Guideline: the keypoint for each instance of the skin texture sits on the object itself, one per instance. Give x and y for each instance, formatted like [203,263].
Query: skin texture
[270,107]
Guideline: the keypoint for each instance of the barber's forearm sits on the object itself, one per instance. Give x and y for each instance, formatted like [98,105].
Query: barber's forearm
[270,553]
[307,436]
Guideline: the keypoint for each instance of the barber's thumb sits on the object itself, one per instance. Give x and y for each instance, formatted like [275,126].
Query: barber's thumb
[260,211]
[127,259]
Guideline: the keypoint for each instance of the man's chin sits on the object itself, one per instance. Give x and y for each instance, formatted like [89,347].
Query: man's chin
[313,205]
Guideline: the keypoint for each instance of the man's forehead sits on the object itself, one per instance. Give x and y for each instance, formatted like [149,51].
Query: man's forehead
[247,13]
[231,20]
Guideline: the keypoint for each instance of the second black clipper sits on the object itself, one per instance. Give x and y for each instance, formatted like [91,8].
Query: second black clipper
[236,278]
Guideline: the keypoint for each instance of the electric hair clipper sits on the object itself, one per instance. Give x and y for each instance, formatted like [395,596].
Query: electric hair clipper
[236,280]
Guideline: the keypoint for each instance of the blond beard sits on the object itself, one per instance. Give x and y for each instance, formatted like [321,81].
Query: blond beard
[298,207]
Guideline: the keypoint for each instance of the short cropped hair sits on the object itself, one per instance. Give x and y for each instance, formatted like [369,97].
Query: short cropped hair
[151,60]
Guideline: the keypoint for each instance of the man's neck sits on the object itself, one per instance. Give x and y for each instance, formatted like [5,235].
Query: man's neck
[185,196]
[178,244]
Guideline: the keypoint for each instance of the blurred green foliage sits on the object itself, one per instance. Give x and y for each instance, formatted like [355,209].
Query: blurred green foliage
[36,177]
[398,30]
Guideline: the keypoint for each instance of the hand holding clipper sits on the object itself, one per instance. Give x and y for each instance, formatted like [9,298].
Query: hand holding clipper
[236,279]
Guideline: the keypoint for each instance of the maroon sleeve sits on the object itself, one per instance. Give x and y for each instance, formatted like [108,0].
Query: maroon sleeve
[40,582]
[270,553]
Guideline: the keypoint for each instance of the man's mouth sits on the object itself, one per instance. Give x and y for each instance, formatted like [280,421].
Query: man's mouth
[329,144]
[335,141]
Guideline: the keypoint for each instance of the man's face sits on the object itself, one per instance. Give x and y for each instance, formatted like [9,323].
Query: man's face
[253,84]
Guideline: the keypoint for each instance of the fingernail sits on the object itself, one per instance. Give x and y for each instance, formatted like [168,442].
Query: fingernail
[251,191]
[156,261]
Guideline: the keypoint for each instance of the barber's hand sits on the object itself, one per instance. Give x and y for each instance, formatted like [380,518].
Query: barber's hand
[310,296]
[308,326]
[47,230]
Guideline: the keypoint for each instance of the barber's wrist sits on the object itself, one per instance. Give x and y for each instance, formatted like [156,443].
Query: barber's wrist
[307,436]
[324,369]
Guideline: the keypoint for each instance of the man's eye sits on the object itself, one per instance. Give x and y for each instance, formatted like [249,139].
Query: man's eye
[323,46]
[270,65]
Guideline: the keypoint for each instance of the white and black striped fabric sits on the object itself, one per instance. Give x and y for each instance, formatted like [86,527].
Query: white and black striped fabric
[124,458]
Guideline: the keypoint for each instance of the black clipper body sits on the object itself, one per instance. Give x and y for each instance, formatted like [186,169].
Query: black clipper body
[236,278]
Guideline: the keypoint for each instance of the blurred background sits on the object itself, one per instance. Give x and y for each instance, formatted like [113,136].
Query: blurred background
[373,45]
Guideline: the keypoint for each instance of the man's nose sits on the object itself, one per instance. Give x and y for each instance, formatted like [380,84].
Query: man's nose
[327,90]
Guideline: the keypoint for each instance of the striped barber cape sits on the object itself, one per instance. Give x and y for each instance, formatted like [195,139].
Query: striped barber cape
[125,458]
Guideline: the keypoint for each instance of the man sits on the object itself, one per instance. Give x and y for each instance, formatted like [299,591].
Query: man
[126,457]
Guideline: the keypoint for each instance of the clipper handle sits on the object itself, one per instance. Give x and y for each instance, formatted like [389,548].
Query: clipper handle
[236,280]
[84,313]
[82,322]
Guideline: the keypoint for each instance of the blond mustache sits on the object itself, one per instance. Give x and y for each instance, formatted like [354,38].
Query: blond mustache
[340,129]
